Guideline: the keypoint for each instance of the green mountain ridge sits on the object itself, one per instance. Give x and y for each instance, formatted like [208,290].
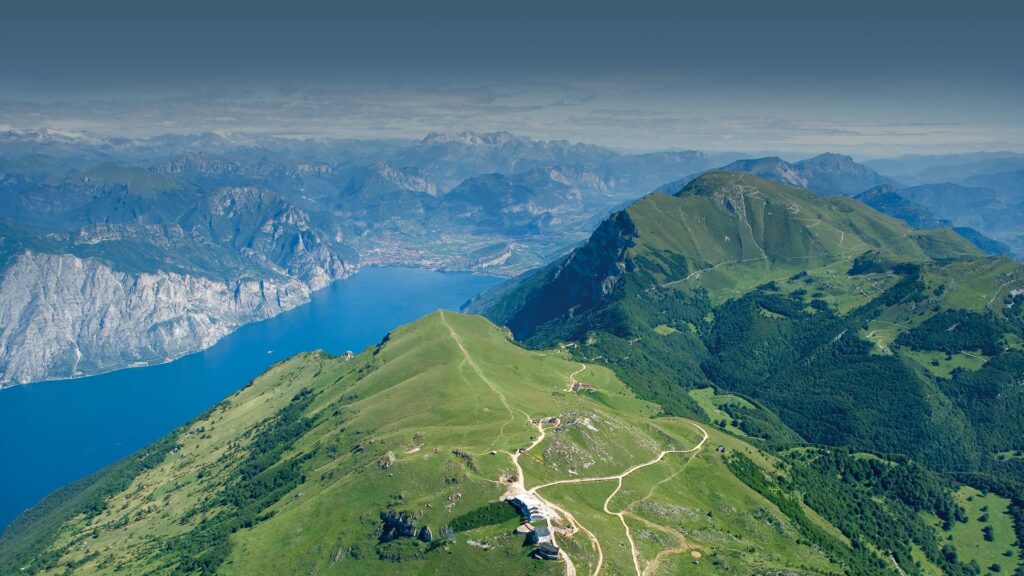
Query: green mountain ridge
[833,324]
[724,233]
[331,465]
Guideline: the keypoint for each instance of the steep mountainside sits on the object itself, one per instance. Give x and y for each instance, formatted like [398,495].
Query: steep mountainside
[725,233]
[66,316]
[116,266]
[831,323]
[988,203]
[781,295]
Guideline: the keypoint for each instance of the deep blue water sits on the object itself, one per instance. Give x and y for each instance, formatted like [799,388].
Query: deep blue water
[52,433]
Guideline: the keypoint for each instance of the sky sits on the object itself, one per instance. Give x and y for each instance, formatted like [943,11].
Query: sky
[868,78]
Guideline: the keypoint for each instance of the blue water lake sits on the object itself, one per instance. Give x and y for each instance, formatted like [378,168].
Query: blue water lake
[52,433]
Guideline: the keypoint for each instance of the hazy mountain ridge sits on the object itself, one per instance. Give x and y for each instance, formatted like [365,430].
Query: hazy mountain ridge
[888,200]
[489,202]
[913,169]
[995,214]
[828,174]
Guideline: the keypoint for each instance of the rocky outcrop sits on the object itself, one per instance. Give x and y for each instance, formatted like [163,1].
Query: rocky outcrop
[65,316]
[425,535]
[395,525]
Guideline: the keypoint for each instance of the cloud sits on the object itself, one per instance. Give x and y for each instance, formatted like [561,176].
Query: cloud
[621,112]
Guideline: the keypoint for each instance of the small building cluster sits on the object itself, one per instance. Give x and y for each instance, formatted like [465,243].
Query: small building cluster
[535,525]
[577,386]
[529,507]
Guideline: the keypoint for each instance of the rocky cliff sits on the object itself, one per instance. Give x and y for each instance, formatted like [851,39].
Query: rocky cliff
[110,295]
[65,316]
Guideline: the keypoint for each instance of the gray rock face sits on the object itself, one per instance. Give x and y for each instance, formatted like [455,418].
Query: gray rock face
[65,316]
[109,276]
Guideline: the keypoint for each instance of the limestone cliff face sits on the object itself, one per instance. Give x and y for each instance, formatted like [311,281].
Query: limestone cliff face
[65,316]
[171,276]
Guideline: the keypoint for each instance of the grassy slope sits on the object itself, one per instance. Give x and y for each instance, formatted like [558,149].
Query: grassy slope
[725,234]
[737,231]
[712,403]
[983,510]
[445,383]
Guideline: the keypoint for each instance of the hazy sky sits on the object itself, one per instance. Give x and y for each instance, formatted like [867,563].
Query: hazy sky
[868,79]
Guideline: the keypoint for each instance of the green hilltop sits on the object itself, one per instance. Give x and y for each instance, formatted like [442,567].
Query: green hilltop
[334,466]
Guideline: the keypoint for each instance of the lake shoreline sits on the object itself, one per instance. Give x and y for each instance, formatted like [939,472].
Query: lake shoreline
[312,294]
[55,431]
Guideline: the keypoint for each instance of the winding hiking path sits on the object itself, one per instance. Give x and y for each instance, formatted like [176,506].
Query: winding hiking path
[572,377]
[519,484]
[618,478]
[696,272]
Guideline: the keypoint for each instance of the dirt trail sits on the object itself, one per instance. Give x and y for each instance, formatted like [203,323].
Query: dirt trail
[618,478]
[632,469]
[695,272]
[655,563]
[476,369]
[519,485]
[572,377]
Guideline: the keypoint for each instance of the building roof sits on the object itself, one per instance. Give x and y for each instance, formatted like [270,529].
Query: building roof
[547,550]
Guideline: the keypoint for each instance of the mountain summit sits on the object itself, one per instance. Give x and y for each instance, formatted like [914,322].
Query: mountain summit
[829,174]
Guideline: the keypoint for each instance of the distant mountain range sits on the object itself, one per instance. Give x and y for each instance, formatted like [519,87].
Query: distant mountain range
[293,215]
[931,169]
[192,236]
